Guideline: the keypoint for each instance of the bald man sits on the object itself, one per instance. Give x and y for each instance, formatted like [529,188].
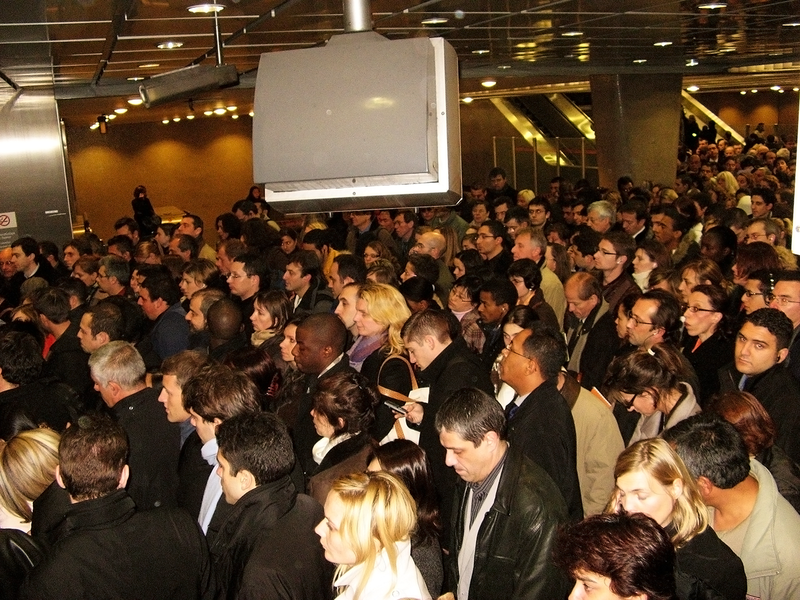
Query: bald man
[225,328]
[434,245]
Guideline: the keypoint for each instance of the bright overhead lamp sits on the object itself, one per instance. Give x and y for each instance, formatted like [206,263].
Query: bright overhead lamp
[571,33]
[797,89]
[640,61]
[232,108]
[489,83]
[208,113]
[692,88]
[754,91]
[692,63]
[111,117]
[234,116]
[220,111]
[205,9]
[663,44]
[503,67]
[135,78]
[189,117]
[135,101]
[169,45]
[165,121]
[792,24]
[176,119]
[775,88]
[467,99]
[120,111]
[149,66]
[251,113]
[482,51]
[94,126]
[434,21]
[712,5]
[743,92]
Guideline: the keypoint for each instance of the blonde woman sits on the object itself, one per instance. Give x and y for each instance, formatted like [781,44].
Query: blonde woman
[27,467]
[369,518]
[377,352]
[651,479]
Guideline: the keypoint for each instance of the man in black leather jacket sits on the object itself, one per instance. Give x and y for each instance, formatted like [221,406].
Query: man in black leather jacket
[506,509]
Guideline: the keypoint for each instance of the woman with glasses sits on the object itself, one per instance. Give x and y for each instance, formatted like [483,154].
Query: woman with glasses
[658,383]
[707,345]
[652,480]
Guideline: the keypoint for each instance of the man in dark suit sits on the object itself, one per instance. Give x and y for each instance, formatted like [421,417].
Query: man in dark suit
[539,419]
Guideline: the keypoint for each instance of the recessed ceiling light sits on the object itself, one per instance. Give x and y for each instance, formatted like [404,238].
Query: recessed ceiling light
[219,111]
[94,125]
[526,45]
[780,91]
[754,91]
[712,5]
[206,8]
[571,33]
[134,101]
[208,113]
[135,79]
[489,83]
[480,51]
[189,117]
[663,44]
[775,88]
[692,88]
[466,99]
[165,121]
[792,24]
[232,108]
[169,45]
[640,61]
[743,92]
[120,111]
[692,63]
[234,116]
[176,119]
[149,66]
[797,89]
[251,113]
[503,67]
[434,21]
[111,117]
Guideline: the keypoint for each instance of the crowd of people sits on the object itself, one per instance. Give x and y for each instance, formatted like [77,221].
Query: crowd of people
[589,393]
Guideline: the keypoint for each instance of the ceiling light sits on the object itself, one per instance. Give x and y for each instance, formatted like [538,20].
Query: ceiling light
[743,92]
[219,111]
[176,119]
[169,45]
[135,79]
[775,88]
[165,121]
[640,61]
[94,125]
[489,83]
[111,117]
[526,45]
[466,99]
[792,24]
[754,91]
[251,113]
[149,66]
[571,34]
[692,63]
[503,67]
[663,44]
[434,21]
[234,116]
[134,101]
[120,111]
[205,9]
[796,89]
[208,113]
[780,91]
[189,117]
[480,51]
[232,108]
[712,5]
[692,88]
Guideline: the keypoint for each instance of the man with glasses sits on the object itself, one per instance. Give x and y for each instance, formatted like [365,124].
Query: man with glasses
[762,230]
[602,215]
[539,419]
[113,277]
[785,297]
[654,319]
[539,211]
[490,245]
[614,254]
[762,344]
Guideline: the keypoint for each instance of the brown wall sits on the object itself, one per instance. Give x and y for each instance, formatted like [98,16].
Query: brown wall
[202,166]
[766,107]
[480,122]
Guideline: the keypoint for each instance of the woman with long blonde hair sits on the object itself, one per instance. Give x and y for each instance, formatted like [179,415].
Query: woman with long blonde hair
[651,479]
[369,518]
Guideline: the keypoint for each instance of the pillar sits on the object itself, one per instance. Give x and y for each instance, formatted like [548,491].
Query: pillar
[636,122]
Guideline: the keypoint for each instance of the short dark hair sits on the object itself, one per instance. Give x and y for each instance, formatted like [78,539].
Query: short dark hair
[318,238]
[632,550]
[347,396]
[547,348]
[498,171]
[198,222]
[53,303]
[766,194]
[186,243]
[774,321]
[427,322]
[425,266]
[624,244]
[74,288]
[471,413]
[255,264]
[117,267]
[586,241]
[328,330]
[91,456]
[184,365]
[351,266]
[308,262]
[635,207]
[667,315]
[107,317]
[518,213]
[28,245]
[256,442]
[219,392]
[711,447]
[20,358]
[495,227]
[528,270]
[123,244]
[248,207]
[500,200]
[501,290]
[159,283]
[48,248]
[540,201]
[234,248]
[128,222]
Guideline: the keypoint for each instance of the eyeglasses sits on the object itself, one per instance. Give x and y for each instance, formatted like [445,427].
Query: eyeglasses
[751,294]
[782,300]
[606,252]
[696,309]
[483,236]
[628,403]
[510,349]
[754,236]
[637,320]
[235,276]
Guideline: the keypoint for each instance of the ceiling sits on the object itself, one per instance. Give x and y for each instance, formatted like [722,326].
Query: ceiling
[98,46]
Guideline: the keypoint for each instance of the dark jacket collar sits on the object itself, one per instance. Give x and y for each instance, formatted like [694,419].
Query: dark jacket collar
[100,513]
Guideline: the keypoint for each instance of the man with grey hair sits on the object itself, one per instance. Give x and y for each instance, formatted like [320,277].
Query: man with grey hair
[118,373]
[197,316]
[531,243]
[602,216]
[114,276]
[506,509]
